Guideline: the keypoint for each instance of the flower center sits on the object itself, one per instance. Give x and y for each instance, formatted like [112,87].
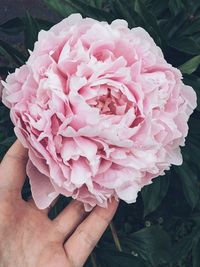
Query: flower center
[111,103]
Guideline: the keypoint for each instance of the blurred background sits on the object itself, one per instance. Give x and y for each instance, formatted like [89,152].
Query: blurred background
[17,8]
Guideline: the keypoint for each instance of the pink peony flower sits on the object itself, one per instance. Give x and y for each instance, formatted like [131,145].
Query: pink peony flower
[100,110]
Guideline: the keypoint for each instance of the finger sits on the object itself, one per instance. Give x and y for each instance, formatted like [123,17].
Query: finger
[81,243]
[13,167]
[68,220]
[31,203]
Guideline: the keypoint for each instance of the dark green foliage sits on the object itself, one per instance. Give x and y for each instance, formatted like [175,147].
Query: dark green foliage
[90,9]
[31,26]
[189,182]
[191,65]
[153,194]
[9,52]
[6,130]
[13,26]
[108,257]
[163,228]
[196,254]
[153,244]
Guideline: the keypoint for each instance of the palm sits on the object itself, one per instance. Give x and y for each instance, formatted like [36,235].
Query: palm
[29,238]
[30,230]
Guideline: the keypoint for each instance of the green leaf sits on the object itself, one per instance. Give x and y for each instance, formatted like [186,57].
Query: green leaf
[17,56]
[154,193]
[95,3]
[196,254]
[13,26]
[153,244]
[89,11]
[44,24]
[5,144]
[16,25]
[171,26]
[67,7]
[193,150]
[194,126]
[186,45]
[4,70]
[192,28]
[156,7]
[5,54]
[175,6]
[108,257]
[189,181]
[31,31]
[60,7]
[181,249]
[126,12]
[194,81]
[8,141]
[190,66]
[192,6]
[149,20]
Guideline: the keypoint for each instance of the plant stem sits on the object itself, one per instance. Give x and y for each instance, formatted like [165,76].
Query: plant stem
[93,260]
[115,237]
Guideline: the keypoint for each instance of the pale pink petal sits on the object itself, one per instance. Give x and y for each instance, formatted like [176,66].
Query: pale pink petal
[42,190]
[80,173]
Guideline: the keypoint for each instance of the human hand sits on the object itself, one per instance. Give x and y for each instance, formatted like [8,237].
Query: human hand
[28,238]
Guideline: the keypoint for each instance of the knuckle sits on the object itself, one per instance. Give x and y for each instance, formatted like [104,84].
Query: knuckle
[18,158]
[88,239]
[103,217]
[78,206]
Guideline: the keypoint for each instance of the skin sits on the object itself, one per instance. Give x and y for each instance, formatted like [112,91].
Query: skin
[29,238]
